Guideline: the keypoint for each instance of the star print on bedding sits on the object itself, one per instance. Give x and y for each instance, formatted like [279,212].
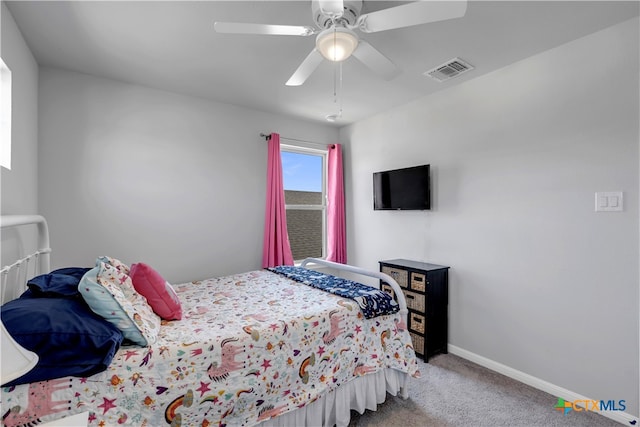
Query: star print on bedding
[249,347]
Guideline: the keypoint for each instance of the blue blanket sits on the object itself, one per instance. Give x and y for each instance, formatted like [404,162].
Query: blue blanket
[373,302]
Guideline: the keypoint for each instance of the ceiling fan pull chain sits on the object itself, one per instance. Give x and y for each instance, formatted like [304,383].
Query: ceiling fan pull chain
[340,93]
[335,85]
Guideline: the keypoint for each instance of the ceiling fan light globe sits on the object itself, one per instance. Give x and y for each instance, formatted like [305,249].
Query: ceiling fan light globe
[337,44]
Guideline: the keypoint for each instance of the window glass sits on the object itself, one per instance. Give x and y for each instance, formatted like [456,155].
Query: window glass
[5,115]
[303,173]
[305,233]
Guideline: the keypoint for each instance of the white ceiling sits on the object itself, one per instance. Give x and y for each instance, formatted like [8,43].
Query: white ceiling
[171,45]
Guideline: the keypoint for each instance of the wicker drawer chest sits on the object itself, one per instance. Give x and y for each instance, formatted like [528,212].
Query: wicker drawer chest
[426,289]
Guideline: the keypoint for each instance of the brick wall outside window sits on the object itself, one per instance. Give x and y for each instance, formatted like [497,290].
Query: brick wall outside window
[304,226]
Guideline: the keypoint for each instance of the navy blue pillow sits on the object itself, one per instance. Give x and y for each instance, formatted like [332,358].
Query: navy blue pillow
[68,337]
[59,283]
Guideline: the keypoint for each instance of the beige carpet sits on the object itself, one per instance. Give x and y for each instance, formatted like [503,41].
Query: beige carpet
[456,392]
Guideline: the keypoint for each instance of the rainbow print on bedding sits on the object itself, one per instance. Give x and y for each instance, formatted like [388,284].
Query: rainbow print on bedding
[249,347]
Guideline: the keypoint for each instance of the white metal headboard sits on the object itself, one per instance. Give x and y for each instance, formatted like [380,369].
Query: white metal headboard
[29,265]
[402,302]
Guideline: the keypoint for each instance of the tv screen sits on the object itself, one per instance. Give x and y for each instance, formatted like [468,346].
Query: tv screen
[402,189]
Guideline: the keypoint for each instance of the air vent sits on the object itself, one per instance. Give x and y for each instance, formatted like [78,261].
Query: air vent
[449,70]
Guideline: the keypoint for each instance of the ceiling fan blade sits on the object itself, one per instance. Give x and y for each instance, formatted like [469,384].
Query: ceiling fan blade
[305,69]
[274,30]
[406,15]
[375,60]
[332,8]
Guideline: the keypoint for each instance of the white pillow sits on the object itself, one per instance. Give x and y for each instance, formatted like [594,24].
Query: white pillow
[111,295]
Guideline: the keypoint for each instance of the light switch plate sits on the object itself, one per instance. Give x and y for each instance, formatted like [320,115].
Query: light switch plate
[609,201]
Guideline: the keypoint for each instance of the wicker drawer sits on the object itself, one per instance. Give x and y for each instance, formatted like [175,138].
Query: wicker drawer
[397,274]
[414,301]
[418,282]
[418,343]
[416,322]
[388,289]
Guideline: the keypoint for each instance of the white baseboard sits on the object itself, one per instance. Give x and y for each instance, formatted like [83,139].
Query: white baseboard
[621,417]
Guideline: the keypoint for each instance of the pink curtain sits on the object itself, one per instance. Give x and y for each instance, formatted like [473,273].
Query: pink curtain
[276,249]
[336,222]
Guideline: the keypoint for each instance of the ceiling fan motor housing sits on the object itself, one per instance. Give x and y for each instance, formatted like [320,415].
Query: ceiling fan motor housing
[352,9]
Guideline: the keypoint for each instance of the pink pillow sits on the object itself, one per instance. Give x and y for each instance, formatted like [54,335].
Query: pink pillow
[158,292]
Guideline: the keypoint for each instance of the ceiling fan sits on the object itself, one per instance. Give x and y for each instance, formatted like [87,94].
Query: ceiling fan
[336,39]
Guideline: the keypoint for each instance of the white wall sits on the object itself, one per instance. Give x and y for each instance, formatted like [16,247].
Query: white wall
[539,282]
[19,185]
[145,175]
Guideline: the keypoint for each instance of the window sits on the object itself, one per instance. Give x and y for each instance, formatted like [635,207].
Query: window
[304,176]
[5,115]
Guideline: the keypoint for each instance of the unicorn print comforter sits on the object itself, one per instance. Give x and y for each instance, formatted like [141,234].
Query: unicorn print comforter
[250,347]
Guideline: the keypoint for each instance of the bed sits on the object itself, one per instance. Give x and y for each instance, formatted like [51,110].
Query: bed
[264,347]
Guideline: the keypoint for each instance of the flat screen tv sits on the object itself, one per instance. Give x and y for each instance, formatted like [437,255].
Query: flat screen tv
[402,189]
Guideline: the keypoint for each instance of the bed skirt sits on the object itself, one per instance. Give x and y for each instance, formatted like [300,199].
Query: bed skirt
[334,409]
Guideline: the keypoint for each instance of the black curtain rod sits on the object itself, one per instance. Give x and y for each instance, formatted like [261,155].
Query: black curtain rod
[267,137]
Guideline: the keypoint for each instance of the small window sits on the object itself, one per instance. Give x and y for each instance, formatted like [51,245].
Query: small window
[304,177]
[5,115]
